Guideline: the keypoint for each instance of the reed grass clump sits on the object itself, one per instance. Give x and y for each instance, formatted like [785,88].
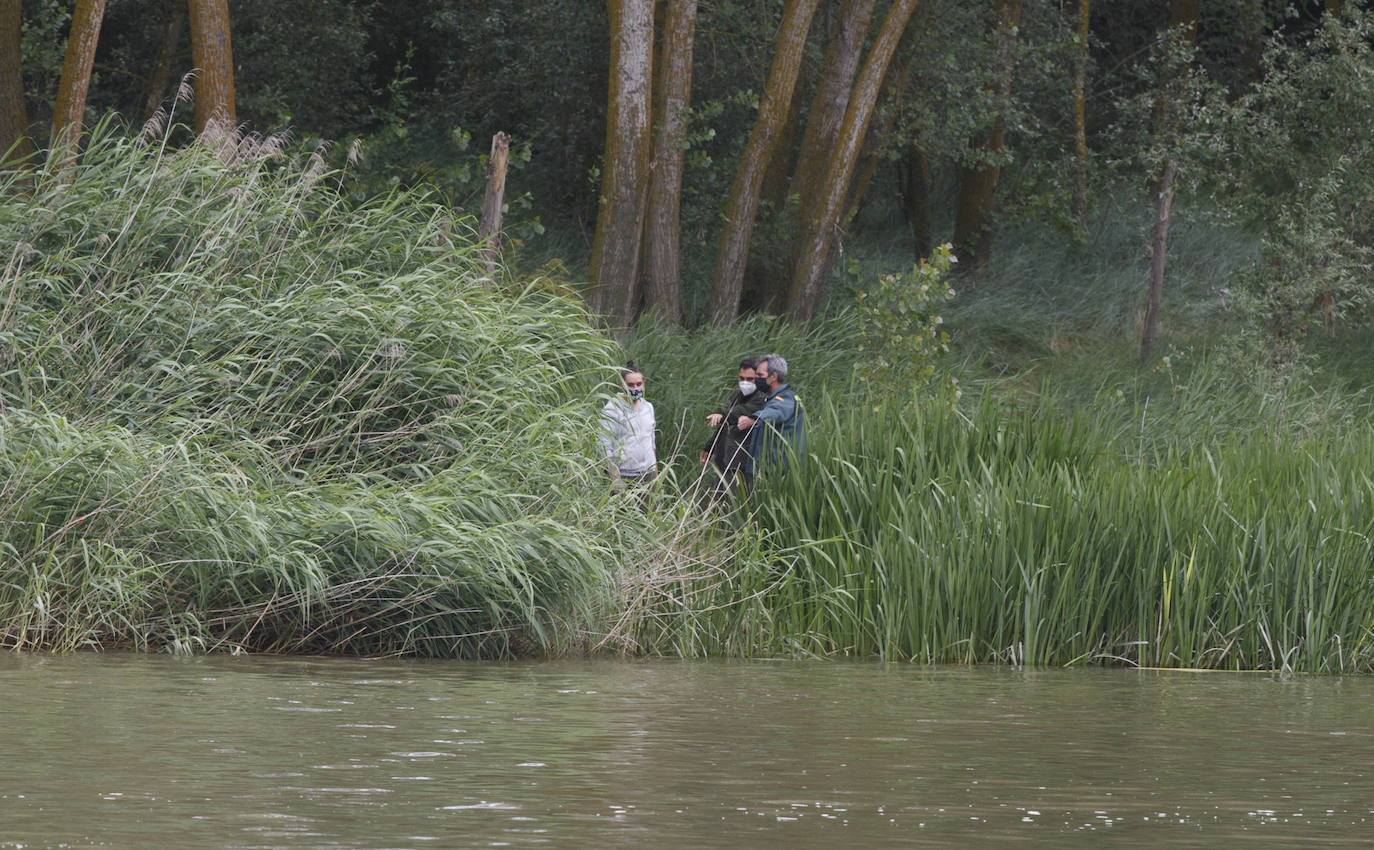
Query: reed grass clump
[1020,534]
[240,413]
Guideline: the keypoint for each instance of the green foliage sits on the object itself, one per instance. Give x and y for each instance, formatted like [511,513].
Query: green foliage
[1295,159]
[254,404]
[534,70]
[42,48]
[900,331]
[1022,535]
[304,70]
[243,414]
[404,152]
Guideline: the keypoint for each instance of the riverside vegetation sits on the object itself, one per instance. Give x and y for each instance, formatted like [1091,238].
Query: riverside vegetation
[242,414]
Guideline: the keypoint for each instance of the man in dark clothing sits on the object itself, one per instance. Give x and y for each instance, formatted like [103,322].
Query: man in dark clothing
[725,447]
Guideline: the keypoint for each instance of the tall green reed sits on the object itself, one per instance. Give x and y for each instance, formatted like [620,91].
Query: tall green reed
[1023,535]
[243,414]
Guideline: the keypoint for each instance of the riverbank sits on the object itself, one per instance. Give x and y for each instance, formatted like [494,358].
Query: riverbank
[243,415]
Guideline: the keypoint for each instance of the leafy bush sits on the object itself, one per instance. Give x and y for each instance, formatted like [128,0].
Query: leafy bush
[900,329]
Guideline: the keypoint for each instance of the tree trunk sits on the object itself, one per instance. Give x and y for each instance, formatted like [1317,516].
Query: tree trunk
[213,56]
[624,177]
[161,76]
[1168,119]
[70,107]
[978,182]
[894,86]
[672,97]
[1080,115]
[1159,243]
[15,144]
[744,194]
[489,229]
[841,64]
[821,225]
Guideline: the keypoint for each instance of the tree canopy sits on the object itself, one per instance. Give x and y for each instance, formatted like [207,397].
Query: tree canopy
[705,159]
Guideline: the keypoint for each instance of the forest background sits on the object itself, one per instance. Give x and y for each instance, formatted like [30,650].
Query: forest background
[745,147]
[716,179]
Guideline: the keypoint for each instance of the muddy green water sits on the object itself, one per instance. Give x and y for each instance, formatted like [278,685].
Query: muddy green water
[132,751]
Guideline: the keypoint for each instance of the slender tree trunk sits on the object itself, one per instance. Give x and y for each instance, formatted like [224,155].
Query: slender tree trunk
[809,278]
[744,194]
[978,182]
[841,64]
[894,88]
[1168,117]
[1080,114]
[161,76]
[625,170]
[213,56]
[672,97]
[1159,244]
[70,107]
[15,144]
[489,229]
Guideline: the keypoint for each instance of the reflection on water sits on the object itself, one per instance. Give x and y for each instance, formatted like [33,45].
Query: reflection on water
[133,751]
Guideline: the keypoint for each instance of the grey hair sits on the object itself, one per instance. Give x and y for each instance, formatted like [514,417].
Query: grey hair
[775,364]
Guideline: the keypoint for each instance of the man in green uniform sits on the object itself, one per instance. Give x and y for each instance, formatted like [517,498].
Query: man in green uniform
[777,430]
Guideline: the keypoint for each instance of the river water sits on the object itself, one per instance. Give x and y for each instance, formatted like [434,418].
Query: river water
[150,752]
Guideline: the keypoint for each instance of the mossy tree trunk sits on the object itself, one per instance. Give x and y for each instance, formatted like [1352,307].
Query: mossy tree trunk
[823,222]
[625,168]
[758,152]
[1174,70]
[213,56]
[70,108]
[15,144]
[978,179]
[894,89]
[672,97]
[843,52]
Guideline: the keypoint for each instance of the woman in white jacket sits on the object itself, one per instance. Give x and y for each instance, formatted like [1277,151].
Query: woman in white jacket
[627,431]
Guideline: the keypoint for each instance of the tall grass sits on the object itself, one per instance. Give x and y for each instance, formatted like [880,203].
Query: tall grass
[242,414]
[1077,509]
[1023,535]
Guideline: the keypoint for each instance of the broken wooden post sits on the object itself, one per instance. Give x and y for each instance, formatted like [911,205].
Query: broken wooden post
[489,230]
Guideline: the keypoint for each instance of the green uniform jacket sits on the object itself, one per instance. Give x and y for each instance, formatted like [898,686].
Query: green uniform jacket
[777,433]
